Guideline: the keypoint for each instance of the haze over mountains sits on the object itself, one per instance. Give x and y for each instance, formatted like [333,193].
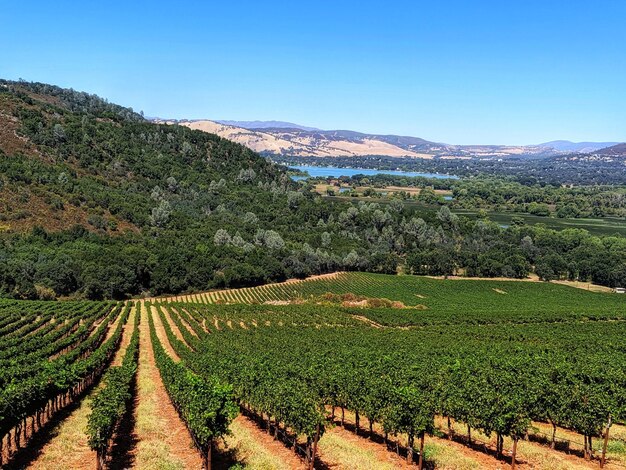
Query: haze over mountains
[267,125]
[290,139]
[583,147]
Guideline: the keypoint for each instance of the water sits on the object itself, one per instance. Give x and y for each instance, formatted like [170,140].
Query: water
[335,172]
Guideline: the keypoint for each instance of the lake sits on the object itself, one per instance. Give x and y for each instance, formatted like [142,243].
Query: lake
[335,172]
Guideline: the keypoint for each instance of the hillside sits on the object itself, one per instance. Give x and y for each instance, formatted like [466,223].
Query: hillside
[72,158]
[582,147]
[96,202]
[298,141]
[618,150]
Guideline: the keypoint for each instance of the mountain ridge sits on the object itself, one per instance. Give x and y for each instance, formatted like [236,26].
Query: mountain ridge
[582,147]
[345,143]
[617,150]
[254,125]
[282,138]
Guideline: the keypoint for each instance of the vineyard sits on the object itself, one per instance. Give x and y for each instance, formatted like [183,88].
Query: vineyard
[348,371]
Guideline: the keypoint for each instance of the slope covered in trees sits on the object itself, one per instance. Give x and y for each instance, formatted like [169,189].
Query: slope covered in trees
[99,203]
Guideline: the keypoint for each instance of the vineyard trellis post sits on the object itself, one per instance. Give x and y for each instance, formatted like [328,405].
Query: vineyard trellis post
[101,458]
[409,448]
[421,459]
[606,442]
[207,456]
[314,453]
[514,454]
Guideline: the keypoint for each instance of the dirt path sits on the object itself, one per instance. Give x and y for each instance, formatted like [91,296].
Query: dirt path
[441,453]
[160,331]
[256,449]
[532,278]
[339,448]
[163,439]
[68,447]
[183,320]
[368,321]
[173,326]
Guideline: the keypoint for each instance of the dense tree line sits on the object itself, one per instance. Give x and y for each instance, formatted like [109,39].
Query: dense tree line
[498,194]
[556,170]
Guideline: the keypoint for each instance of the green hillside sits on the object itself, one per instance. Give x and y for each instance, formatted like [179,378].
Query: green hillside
[96,202]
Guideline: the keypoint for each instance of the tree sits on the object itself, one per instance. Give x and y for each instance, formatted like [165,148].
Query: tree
[221,238]
[58,132]
[326,239]
[161,214]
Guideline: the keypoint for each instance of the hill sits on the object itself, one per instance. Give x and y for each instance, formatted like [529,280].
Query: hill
[618,150]
[257,125]
[70,157]
[582,147]
[288,139]
[96,202]
[99,202]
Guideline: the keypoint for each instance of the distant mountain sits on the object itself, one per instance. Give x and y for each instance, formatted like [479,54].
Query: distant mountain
[618,150]
[300,142]
[266,125]
[582,147]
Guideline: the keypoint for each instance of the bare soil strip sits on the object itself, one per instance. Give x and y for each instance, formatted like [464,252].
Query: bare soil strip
[256,449]
[446,454]
[163,439]
[162,335]
[368,321]
[532,278]
[173,325]
[67,447]
[340,448]
[184,322]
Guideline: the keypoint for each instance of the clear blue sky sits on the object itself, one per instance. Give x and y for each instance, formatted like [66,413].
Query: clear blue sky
[507,71]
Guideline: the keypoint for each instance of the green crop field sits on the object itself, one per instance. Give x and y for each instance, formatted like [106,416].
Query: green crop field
[441,301]
[397,354]
[494,355]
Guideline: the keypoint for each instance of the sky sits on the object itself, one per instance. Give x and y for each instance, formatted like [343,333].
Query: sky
[460,72]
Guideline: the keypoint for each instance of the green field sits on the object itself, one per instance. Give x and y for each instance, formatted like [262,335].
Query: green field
[443,301]
[595,226]
[496,355]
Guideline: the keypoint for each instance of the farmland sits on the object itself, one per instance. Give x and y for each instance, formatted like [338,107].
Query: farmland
[350,370]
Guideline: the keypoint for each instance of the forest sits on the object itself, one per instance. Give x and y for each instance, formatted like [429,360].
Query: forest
[499,194]
[98,203]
